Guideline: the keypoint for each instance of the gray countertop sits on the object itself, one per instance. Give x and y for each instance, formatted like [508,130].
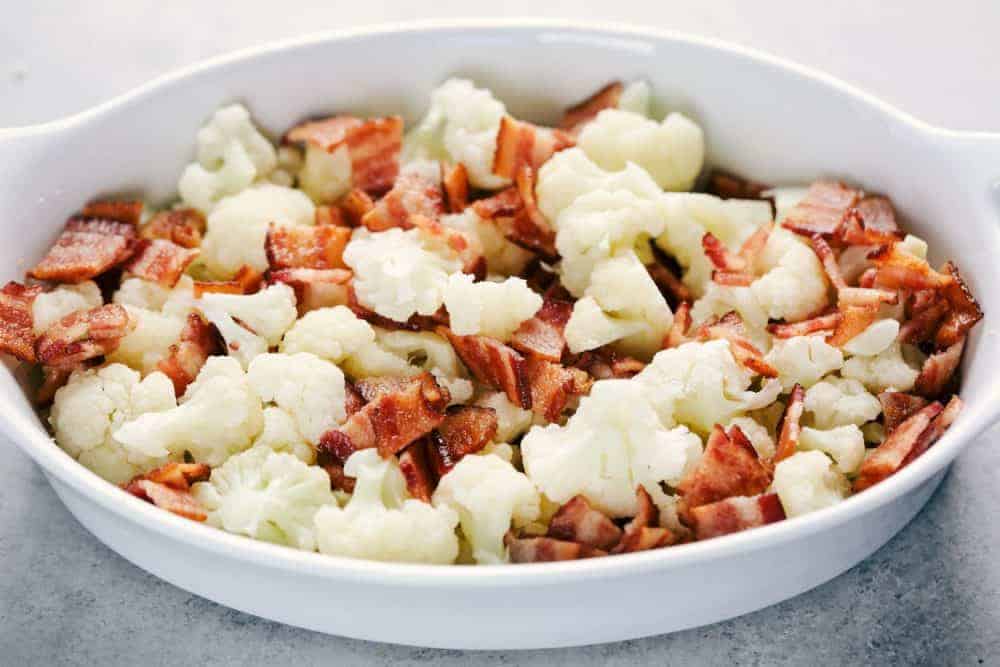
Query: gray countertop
[932,595]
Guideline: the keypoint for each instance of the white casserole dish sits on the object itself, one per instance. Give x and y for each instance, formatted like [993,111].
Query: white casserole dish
[764,118]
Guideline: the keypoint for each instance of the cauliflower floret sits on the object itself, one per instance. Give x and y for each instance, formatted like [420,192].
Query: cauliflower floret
[721,299]
[672,151]
[803,360]
[237,227]
[326,176]
[502,256]
[461,125]
[177,301]
[488,494]
[807,481]
[330,333]
[281,434]
[231,154]
[88,410]
[914,245]
[757,434]
[420,351]
[840,402]
[794,283]
[786,197]
[874,339]
[887,370]
[303,385]
[636,97]
[265,317]
[512,420]
[49,307]
[396,275]
[844,444]
[219,415]
[266,495]
[589,327]
[149,342]
[489,308]
[378,523]
[614,442]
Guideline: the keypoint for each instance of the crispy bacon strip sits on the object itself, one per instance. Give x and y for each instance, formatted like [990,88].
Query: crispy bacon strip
[552,385]
[728,467]
[119,210]
[720,256]
[924,323]
[179,476]
[542,335]
[52,380]
[727,185]
[334,468]
[416,322]
[729,327]
[578,115]
[17,335]
[521,144]
[788,438]
[455,180]
[353,401]
[159,261]
[576,521]
[897,407]
[878,215]
[183,226]
[306,247]
[823,209]
[853,232]
[83,335]
[515,212]
[965,311]
[416,471]
[197,342]
[734,514]
[87,247]
[866,296]
[547,549]
[853,320]
[938,426]
[246,281]
[669,284]
[329,215]
[898,269]
[938,370]
[828,260]
[354,206]
[494,364]
[642,532]
[678,334]
[181,503]
[466,429]
[412,194]
[605,363]
[823,322]
[892,454]
[315,288]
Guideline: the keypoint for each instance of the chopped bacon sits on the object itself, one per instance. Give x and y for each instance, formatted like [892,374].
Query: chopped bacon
[897,407]
[334,468]
[416,322]
[515,213]
[852,232]
[494,364]
[896,268]
[466,429]
[521,144]
[86,248]
[392,421]
[179,476]
[126,211]
[183,226]
[354,206]
[727,185]
[925,322]
[829,261]
[642,532]
[373,146]
[416,471]
[728,467]
[306,247]
[247,280]
[938,426]
[412,194]
[83,335]
[892,454]
[576,521]
[823,209]
[605,363]
[552,385]
[547,549]
[353,400]
[823,322]
[315,288]
[17,335]
[853,320]
[455,180]
[878,215]
[667,281]
[52,380]
[732,278]
[729,327]
[373,388]
[678,334]
[159,261]
[198,341]
[867,278]
[938,370]
[181,503]
[755,244]
[578,115]
[328,215]
[788,437]
[866,296]
[732,515]
[720,256]
[542,335]
[965,311]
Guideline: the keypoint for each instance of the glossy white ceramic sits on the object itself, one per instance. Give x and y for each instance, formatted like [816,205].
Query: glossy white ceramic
[773,120]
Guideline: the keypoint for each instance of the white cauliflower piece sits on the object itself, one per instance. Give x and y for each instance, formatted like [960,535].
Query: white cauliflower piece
[494,309]
[232,153]
[636,98]
[326,176]
[786,197]
[281,434]
[378,523]
[512,420]
[613,443]
[502,256]
[671,151]
[237,227]
[266,495]
[330,333]
[878,336]
[803,360]
[757,434]
[589,327]
[488,494]
[844,444]
[807,481]
[419,351]
[93,404]
[396,275]
[50,307]
[914,245]
[265,316]
[149,342]
[303,385]
[794,283]
[177,301]
[887,370]
[219,415]
[840,402]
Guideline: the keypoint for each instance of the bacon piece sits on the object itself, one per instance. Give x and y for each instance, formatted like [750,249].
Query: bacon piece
[521,144]
[83,335]
[52,380]
[354,206]
[732,278]
[728,467]
[866,296]
[414,323]
[416,471]
[392,421]
[642,532]
[547,549]
[892,454]
[852,232]
[246,281]
[181,503]
[306,247]
[670,286]
[17,335]
[788,437]
[315,288]
[720,256]
[925,323]
[466,429]
[965,311]
[729,327]
[755,244]
[178,476]
[878,215]
[828,260]
[328,215]
[899,269]
[542,335]
[412,194]
[727,185]
[515,213]
[334,468]
[677,335]
[853,320]
[578,115]
[938,370]
[938,426]
[494,364]
[552,385]
[823,209]
[183,226]
[159,261]
[87,247]
[198,341]
[119,210]
[605,363]
[373,146]
[455,180]
[823,322]
[373,388]
[897,407]
[732,515]
[353,401]
[576,521]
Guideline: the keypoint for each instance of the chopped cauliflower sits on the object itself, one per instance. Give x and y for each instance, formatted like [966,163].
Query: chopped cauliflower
[379,523]
[803,360]
[50,307]
[489,308]
[589,327]
[887,370]
[218,416]
[785,198]
[266,495]
[94,403]
[237,227]
[671,151]
[330,333]
[613,443]
[808,481]
[721,299]
[636,97]
[149,342]
[844,444]
[303,385]
[502,256]
[263,317]
[794,284]
[396,275]
[326,176]
[281,434]
[512,421]
[840,402]
[914,245]
[878,336]
[488,494]
[232,153]
[757,434]
[146,294]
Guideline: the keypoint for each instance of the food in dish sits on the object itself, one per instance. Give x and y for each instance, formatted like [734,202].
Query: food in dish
[486,340]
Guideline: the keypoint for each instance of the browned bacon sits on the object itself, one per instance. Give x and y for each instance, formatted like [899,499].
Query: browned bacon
[160,261]
[354,206]
[577,521]
[547,549]
[466,429]
[334,468]
[198,341]
[938,426]
[897,407]
[823,209]
[788,437]
[878,215]
[938,370]
[642,532]
[678,334]
[83,335]
[315,288]
[521,144]
[416,471]
[412,194]
[822,322]
[494,364]
[247,280]
[727,185]
[605,363]
[829,261]
[892,454]
[183,226]
[924,323]
[542,335]
[306,247]
[866,296]
[515,212]
[896,269]
[730,328]
[52,380]
[455,180]
[720,256]
[168,487]
[669,284]
[87,247]
[552,385]
[728,467]
[119,210]
[732,278]
[578,115]
[964,310]
[732,515]
[17,335]
[853,320]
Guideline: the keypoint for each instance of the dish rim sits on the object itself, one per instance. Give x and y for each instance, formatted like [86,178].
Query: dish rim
[55,462]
